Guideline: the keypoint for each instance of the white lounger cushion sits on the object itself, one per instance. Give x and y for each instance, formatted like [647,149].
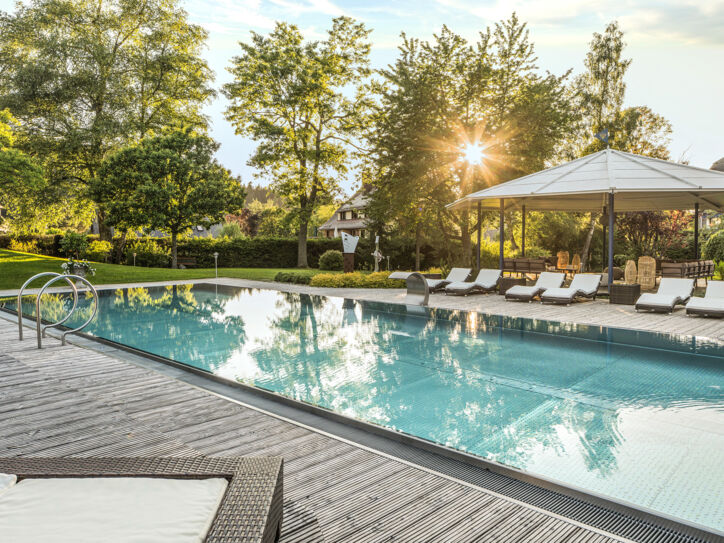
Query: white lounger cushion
[715,289]
[455,275]
[715,304]
[671,291]
[585,284]
[713,299]
[545,281]
[110,509]
[486,279]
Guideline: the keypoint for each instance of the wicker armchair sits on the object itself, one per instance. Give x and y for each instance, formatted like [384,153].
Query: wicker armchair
[576,263]
[563,259]
[629,272]
[647,272]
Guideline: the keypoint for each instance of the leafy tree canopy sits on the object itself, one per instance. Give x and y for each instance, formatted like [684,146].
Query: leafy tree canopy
[169,182]
[442,95]
[293,97]
[86,78]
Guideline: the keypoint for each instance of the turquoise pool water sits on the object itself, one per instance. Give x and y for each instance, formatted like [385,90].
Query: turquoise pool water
[635,416]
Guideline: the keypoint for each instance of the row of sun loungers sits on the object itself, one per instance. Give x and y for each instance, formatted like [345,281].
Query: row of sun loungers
[548,288]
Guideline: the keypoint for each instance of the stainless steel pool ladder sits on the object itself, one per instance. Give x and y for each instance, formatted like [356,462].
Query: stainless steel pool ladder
[40,329]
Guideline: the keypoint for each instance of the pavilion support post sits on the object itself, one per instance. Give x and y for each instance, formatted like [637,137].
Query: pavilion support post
[696,231]
[480,229]
[502,233]
[610,241]
[522,234]
[603,242]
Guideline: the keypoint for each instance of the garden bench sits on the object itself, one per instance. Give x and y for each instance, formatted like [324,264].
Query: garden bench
[186,262]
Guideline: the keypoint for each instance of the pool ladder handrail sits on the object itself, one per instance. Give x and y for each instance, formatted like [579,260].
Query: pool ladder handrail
[40,329]
[20,299]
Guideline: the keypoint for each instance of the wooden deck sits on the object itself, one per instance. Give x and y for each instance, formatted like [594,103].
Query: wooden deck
[72,401]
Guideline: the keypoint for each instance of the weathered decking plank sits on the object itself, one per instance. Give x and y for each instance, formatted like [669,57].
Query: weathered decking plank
[68,401]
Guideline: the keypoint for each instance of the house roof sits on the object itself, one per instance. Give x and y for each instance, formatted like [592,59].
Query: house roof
[359,200]
[640,183]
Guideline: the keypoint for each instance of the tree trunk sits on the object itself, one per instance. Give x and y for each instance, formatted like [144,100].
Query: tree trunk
[118,255]
[302,243]
[104,231]
[174,255]
[587,244]
[418,236]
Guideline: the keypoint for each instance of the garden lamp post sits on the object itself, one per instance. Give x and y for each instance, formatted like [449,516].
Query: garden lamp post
[134,260]
[216,264]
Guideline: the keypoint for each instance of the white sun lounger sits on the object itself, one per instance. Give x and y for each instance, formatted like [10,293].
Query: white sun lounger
[711,305]
[671,292]
[584,285]
[545,281]
[486,281]
[455,275]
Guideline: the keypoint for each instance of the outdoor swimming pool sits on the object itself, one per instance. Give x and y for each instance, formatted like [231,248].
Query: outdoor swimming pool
[635,416]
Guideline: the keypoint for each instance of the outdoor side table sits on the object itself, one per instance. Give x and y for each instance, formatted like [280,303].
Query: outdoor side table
[507,282]
[622,293]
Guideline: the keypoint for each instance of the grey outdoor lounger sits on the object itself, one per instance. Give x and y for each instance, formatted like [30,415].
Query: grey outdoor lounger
[584,285]
[671,292]
[545,281]
[711,305]
[455,275]
[486,281]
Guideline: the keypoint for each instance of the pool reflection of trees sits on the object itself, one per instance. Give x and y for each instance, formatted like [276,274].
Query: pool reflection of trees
[176,322]
[367,365]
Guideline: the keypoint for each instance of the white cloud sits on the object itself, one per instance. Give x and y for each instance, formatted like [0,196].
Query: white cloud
[690,21]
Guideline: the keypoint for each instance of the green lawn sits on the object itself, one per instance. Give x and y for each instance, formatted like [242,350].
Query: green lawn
[16,268]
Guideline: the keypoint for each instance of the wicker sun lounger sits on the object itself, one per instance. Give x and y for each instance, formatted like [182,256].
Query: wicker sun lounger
[486,281]
[583,285]
[671,292]
[455,275]
[251,509]
[545,281]
[711,305]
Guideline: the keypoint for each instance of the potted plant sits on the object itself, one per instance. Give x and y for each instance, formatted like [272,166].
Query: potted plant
[81,268]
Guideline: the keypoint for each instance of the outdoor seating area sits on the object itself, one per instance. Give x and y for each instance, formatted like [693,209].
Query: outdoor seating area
[526,266]
[312,271]
[695,269]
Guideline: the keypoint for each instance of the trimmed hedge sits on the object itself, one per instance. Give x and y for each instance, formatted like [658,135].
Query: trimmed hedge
[356,280]
[259,252]
[46,245]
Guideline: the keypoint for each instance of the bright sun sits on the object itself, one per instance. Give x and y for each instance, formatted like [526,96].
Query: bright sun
[473,153]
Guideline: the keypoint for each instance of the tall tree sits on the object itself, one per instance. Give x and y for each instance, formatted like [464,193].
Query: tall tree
[88,77]
[293,97]
[169,182]
[444,95]
[601,91]
[21,178]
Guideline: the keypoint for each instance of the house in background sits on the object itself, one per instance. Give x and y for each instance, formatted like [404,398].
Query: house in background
[349,218]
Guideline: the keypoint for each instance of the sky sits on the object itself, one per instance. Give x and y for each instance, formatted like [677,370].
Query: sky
[677,49]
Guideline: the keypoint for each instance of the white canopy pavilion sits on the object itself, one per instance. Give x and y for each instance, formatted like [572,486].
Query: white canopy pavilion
[606,181]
